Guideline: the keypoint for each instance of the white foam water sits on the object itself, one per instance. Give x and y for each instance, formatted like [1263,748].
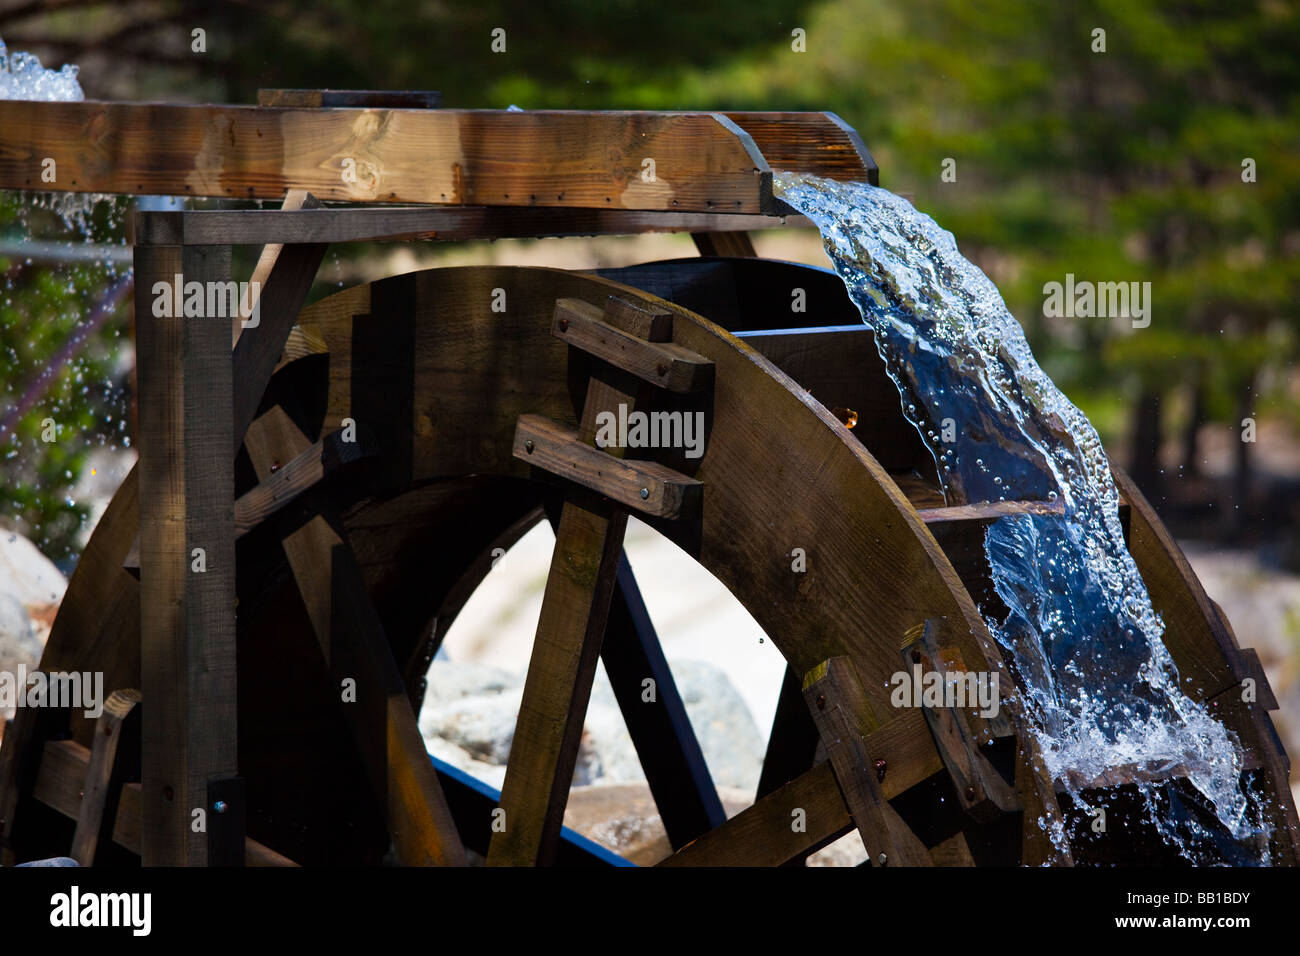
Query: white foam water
[1079,630]
[22,77]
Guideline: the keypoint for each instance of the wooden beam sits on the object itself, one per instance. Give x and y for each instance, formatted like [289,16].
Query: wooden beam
[843,716]
[731,244]
[446,223]
[187,555]
[473,802]
[660,729]
[820,143]
[300,473]
[981,792]
[259,348]
[106,774]
[539,773]
[294,199]
[792,744]
[702,162]
[649,487]
[662,364]
[64,766]
[790,822]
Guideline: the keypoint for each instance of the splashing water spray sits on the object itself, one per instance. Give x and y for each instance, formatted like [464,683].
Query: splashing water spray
[1081,636]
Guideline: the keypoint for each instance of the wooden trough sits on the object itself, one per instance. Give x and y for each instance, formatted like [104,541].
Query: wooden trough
[344,475]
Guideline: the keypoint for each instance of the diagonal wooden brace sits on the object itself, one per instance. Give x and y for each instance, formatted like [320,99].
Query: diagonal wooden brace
[981,791]
[843,716]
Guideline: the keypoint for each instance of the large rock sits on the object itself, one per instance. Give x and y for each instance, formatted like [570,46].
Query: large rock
[470,709]
[31,588]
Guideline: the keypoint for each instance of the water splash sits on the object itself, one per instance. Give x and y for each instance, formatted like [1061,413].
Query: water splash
[23,78]
[59,358]
[1079,630]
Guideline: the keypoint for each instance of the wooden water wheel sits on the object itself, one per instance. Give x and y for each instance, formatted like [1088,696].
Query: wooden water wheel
[267,624]
[469,429]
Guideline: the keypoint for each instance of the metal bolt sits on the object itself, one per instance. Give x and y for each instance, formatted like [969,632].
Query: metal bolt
[564,325]
[275,466]
[970,793]
[882,859]
[881,767]
[645,493]
[528,446]
[821,701]
[220,806]
[662,368]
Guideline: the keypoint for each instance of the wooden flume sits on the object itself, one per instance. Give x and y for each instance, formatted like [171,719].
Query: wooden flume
[386,439]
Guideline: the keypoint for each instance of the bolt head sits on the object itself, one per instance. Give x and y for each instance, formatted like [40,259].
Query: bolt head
[882,859]
[970,793]
[645,493]
[821,701]
[529,446]
[564,325]
[220,806]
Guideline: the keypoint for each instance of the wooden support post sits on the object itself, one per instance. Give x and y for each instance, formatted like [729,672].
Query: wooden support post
[187,553]
[842,713]
[107,773]
[575,606]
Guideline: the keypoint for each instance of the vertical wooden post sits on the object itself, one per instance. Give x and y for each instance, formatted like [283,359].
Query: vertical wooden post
[187,553]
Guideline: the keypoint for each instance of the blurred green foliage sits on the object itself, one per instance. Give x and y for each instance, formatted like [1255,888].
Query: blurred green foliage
[1115,165]
[79,407]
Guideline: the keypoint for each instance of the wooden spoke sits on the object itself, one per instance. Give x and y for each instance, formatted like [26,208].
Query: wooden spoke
[660,729]
[575,607]
[352,638]
[790,822]
[109,769]
[792,744]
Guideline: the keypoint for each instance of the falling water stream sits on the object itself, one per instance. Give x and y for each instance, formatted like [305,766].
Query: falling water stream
[1080,633]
